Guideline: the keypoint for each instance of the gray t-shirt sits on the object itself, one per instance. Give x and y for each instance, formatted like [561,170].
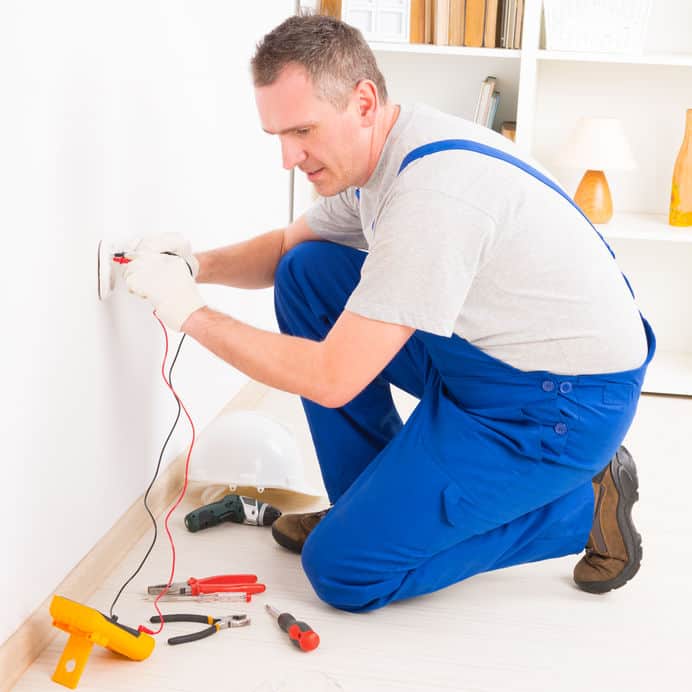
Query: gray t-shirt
[462,243]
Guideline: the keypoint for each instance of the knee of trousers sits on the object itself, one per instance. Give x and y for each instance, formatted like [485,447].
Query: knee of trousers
[294,281]
[322,568]
[335,578]
[296,264]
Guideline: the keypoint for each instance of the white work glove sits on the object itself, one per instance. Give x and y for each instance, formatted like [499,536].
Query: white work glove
[165,281]
[166,242]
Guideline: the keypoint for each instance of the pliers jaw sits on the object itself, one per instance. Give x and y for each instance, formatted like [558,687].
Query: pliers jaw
[233,621]
[178,588]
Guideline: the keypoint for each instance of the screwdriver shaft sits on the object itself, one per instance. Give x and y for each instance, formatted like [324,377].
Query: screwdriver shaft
[272,611]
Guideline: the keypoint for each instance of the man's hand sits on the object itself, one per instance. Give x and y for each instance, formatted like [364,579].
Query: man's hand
[166,282]
[167,242]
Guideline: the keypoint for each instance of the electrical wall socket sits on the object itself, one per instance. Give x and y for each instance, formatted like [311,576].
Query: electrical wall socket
[105,269]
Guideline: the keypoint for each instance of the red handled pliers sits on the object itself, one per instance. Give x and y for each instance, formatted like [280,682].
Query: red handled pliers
[220,583]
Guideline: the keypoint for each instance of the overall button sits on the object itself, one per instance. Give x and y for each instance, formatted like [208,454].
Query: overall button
[560,428]
[548,386]
[565,387]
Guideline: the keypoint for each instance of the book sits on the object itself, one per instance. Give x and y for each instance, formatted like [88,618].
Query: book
[482,111]
[417,23]
[509,129]
[456,22]
[490,84]
[492,112]
[490,29]
[511,21]
[441,23]
[504,24]
[331,8]
[429,4]
[474,24]
[519,20]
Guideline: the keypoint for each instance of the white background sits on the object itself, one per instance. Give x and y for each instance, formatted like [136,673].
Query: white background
[116,119]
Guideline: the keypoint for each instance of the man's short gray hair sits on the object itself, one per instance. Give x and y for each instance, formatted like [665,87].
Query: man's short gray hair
[334,54]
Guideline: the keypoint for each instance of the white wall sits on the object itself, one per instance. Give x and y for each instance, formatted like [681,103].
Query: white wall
[116,119]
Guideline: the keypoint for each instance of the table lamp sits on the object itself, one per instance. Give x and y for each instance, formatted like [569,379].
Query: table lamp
[597,144]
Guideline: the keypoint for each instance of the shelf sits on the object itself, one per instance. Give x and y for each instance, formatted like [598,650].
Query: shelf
[670,372]
[644,227]
[425,48]
[679,60]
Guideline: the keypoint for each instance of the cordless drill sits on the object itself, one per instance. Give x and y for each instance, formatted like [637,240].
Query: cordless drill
[235,508]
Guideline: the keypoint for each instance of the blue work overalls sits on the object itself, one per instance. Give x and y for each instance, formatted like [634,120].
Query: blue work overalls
[493,467]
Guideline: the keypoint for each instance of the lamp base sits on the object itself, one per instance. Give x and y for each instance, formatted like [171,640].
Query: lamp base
[593,197]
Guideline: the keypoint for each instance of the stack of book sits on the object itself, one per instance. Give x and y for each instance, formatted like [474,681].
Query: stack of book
[478,23]
[488,100]
[486,109]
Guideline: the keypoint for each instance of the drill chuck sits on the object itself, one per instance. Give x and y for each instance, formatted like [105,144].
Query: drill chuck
[236,508]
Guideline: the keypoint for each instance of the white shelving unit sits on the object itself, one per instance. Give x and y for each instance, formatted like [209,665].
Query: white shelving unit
[649,59]
[649,92]
[425,49]
[644,227]
[546,91]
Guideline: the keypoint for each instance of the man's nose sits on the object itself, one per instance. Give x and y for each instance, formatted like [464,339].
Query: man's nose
[292,153]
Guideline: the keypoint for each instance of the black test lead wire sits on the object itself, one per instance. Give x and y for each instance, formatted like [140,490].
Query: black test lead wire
[151,485]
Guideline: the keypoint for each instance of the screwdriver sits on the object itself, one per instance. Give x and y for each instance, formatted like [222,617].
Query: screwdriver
[300,633]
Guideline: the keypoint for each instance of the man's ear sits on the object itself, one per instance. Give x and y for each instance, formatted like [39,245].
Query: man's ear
[367,102]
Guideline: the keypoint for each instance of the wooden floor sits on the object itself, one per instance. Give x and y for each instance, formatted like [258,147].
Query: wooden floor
[523,628]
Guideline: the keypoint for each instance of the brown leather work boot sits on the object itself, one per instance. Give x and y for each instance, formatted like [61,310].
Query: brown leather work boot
[614,549]
[292,530]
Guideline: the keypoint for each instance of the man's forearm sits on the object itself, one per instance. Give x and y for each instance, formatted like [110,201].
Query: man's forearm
[249,264]
[289,363]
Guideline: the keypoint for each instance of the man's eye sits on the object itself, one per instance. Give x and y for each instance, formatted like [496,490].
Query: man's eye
[303,131]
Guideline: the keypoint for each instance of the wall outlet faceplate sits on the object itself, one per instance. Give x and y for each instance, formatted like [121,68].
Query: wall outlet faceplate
[105,269]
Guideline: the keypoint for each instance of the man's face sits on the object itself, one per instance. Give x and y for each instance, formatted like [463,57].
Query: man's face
[328,145]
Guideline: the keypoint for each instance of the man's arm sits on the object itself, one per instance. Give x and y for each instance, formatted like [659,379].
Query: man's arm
[252,263]
[329,372]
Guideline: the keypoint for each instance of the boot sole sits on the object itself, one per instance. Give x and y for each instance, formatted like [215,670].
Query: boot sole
[283,540]
[626,481]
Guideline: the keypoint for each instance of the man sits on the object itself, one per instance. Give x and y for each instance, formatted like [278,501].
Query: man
[483,291]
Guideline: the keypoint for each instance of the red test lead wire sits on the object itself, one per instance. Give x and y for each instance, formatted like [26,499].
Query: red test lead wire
[142,628]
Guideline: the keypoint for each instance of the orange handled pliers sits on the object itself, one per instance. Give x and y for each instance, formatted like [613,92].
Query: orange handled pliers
[246,583]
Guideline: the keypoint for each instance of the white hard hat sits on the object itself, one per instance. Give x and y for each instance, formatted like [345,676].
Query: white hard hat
[246,448]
